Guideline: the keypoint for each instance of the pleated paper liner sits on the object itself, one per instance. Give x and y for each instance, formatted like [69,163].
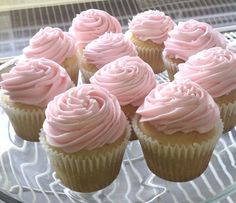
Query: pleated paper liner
[228,115]
[27,120]
[179,162]
[88,171]
[171,66]
[130,111]
[71,66]
[149,52]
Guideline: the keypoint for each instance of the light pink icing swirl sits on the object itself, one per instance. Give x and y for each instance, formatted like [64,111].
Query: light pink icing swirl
[151,25]
[179,106]
[213,69]
[92,23]
[35,82]
[84,117]
[51,43]
[107,48]
[190,37]
[130,79]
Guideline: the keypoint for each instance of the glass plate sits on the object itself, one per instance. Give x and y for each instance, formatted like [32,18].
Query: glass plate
[26,174]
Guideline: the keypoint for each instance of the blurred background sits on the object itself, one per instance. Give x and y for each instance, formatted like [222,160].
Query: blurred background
[21,19]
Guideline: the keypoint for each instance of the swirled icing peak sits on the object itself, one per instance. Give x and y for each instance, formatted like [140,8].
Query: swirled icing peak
[129,78]
[107,48]
[179,106]
[84,117]
[92,23]
[151,25]
[51,43]
[190,37]
[213,69]
[35,82]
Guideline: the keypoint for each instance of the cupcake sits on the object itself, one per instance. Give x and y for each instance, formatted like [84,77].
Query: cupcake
[85,134]
[148,31]
[187,39]
[130,79]
[214,70]
[105,49]
[56,45]
[92,23]
[26,91]
[178,126]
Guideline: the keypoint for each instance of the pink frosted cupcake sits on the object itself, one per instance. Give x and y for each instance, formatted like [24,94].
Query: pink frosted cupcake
[56,45]
[105,49]
[214,70]
[130,79]
[92,23]
[148,31]
[178,128]
[187,39]
[26,91]
[85,134]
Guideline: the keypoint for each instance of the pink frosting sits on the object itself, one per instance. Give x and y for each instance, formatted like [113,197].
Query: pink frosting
[107,48]
[130,79]
[84,117]
[213,69]
[51,43]
[91,24]
[151,25]
[180,106]
[190,37]
[35,82]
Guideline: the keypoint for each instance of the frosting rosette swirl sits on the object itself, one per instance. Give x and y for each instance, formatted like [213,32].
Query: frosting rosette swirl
[213,69]
[84,117]
[107,48]
[35,82]
[130,79]
[190,37]
[51,43]
[151,25]
[179,106]
[92,23]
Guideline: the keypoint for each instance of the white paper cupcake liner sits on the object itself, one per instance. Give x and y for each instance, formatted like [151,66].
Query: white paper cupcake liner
[129,113]
[26,122]
[170,66]
[85,75]
[177,162]
[228,115]
[152,56]
[73,72]
[133,135]
[87,171]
